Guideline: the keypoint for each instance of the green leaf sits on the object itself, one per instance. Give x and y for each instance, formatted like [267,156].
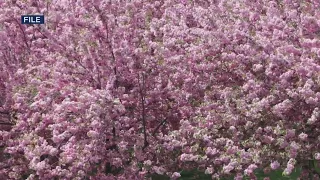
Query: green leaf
[316,167]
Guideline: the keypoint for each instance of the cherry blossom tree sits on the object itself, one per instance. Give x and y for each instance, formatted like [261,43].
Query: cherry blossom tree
[124,89]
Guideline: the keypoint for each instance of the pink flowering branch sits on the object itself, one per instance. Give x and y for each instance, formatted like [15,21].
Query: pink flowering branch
[231,85]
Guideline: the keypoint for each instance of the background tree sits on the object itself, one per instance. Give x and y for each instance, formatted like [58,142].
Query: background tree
[124,89]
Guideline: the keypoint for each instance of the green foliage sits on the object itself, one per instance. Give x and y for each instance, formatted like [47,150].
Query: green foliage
[277,175]
[198,175]
[316,166]
[159,177]
[194,174]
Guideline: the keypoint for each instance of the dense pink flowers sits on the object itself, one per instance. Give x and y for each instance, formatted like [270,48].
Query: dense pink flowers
[124,89]
[275,165]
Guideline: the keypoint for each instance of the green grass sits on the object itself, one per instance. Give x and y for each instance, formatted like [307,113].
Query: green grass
[197,175]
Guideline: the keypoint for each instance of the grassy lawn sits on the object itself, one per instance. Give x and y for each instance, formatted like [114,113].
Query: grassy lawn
[196,175]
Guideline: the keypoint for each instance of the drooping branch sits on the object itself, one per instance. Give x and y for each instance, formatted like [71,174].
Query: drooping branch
[158,127]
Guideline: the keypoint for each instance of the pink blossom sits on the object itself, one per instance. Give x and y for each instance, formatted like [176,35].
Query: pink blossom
[227,169]
[211,151]
[290,133]
[92,134]
[159,170]
[41,165]
[209,170]
[147,163]
[275,165]
[158,86]
[176,175]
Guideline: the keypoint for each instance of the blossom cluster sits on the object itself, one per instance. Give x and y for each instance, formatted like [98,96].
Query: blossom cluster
[125,89]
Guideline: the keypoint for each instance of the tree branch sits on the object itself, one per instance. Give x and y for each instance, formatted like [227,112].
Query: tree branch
[6,123]
[158,127]
[5,112]
[105,23]
[142,98]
